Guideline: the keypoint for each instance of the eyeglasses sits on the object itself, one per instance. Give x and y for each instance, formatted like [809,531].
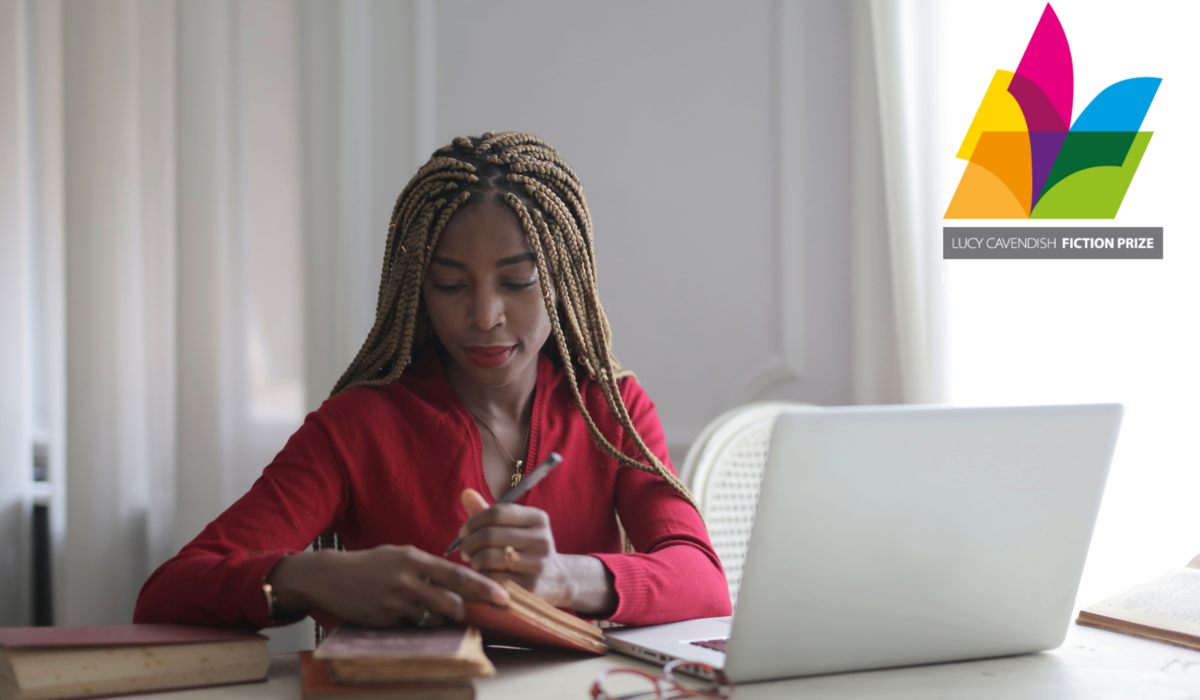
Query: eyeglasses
[628,683]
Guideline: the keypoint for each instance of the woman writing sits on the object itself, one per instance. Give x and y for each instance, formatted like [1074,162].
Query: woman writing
[490,350]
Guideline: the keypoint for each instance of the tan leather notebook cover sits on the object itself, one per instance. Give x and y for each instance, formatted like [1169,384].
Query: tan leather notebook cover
[529,621]
[501,626]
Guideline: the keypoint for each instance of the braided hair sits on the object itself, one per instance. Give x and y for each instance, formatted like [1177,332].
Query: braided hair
[527,175]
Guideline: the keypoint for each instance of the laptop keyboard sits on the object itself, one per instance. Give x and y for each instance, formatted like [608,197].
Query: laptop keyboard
[714,644]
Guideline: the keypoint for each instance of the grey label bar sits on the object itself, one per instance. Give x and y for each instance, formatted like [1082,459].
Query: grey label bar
[1058,242]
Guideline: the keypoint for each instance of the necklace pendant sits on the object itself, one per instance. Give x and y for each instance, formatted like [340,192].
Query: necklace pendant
[516,479]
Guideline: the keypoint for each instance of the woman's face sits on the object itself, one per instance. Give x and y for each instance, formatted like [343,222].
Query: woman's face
[484,298]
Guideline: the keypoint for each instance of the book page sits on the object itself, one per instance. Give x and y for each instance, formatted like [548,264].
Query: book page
[353,642]
[1171,602]
[1194,563]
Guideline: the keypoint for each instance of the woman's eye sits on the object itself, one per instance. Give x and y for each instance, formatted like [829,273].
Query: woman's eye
[450,287]
[518,286]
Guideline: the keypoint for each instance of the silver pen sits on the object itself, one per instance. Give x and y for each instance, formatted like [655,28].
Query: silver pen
[519,490]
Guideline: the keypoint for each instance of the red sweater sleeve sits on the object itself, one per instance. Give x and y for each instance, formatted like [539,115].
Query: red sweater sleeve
[216,579]
[674,574]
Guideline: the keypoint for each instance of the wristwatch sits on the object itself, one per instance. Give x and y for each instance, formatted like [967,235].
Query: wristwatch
[275,611]
[272,601]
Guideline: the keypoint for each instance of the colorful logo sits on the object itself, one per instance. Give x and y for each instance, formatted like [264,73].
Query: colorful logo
[1023,162]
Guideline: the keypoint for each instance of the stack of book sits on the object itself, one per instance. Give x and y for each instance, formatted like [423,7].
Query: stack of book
[45,663]
[431,664]
[411,663]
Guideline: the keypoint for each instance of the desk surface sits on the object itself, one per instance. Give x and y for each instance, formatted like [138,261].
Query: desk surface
[1092,664]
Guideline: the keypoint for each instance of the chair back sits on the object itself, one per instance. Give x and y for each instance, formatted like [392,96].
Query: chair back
[723,470]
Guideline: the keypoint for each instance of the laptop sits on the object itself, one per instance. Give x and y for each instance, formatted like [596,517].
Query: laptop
[904,535]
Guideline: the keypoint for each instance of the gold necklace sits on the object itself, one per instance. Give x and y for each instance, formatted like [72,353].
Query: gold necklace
[518,471]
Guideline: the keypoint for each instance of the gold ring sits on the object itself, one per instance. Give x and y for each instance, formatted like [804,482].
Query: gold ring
[511,556]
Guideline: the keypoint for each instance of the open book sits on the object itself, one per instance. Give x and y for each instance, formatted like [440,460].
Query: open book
[1166,609]
[529,621]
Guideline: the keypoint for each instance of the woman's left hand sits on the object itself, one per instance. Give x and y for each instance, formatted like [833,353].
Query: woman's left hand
[511,542]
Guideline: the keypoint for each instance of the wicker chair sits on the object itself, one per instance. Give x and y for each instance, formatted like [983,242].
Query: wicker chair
[724,469]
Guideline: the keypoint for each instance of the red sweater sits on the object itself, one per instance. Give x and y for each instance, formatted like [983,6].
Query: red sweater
[386,466]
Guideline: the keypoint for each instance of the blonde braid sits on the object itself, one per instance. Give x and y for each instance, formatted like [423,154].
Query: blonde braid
[608,386]
[564,221]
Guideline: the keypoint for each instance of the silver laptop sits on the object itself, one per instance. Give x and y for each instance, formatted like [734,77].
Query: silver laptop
[894,536]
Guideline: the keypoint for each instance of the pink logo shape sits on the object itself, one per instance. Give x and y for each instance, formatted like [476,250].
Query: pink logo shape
[1047,64]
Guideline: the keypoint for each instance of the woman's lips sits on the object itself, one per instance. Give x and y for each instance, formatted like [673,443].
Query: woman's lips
[489,356]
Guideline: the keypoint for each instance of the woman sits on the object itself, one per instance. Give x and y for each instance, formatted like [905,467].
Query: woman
[489,351]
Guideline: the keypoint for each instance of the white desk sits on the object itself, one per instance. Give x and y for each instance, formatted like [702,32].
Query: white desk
[1092,664]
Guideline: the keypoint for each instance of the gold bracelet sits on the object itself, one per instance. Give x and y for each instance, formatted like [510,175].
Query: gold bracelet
[271,599]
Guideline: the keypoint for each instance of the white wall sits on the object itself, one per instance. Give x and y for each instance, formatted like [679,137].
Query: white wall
[727,260]
[671,120]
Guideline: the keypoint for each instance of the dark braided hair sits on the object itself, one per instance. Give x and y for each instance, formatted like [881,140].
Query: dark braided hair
[527,175]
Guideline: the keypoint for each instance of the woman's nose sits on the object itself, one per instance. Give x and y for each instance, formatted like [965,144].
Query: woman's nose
[487,310]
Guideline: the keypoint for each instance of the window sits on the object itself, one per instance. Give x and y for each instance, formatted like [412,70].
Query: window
[1072,331]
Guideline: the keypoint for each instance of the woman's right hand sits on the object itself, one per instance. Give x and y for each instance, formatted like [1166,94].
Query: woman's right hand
[381,587]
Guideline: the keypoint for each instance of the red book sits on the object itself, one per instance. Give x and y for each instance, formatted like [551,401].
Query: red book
[318,685]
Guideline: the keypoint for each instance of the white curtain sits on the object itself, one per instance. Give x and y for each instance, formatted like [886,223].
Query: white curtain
[905,39]
[151,223]
[15,285]
[190,236]
[119,260]
[183,257]
[857,84]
